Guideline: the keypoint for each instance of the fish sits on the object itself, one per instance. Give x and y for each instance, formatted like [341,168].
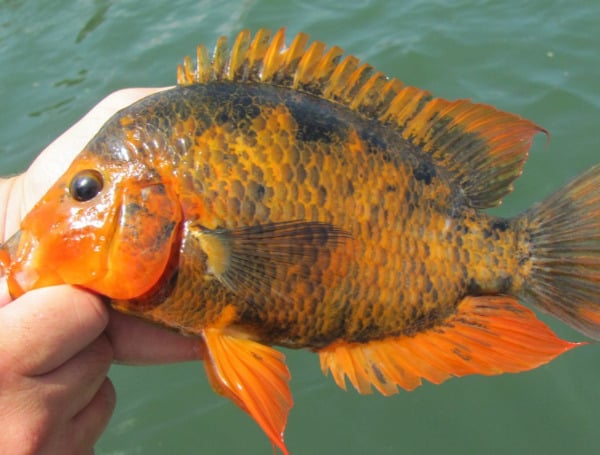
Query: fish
[294,196]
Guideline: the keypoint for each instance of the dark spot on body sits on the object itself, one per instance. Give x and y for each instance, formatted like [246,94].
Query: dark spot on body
[222,116]
[504,284]
[246,101]
[424,172]
[255,191]
[473,287]
[428,284]
[500,225]
[315,119]
[260,192]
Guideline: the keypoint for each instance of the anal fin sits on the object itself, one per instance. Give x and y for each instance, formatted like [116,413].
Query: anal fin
[254,376]
[487,335]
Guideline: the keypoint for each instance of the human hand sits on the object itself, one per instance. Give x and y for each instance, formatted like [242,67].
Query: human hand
[54,357]
[56,344]
[56,347]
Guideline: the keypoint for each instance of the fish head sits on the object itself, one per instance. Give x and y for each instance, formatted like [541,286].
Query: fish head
[110,227]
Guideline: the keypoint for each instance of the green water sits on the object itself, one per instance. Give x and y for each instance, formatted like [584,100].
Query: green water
[538,58]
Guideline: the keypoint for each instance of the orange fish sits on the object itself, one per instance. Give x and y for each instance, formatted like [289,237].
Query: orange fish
[292,196]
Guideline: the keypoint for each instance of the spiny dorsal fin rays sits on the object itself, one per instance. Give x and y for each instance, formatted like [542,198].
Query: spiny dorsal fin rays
[482,149]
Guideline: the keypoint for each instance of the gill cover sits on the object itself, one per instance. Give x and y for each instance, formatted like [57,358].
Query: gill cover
[142,243]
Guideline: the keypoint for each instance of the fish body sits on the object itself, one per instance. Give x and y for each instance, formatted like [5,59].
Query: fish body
[286,196]
[351,174]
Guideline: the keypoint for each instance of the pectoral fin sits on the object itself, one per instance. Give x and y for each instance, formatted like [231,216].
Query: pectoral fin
[253,376]
[487,335]
[256,259]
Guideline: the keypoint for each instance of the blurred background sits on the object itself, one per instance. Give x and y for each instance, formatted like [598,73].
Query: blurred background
[537,58]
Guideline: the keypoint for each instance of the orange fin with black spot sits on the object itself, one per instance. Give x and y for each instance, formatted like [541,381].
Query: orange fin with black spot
[487,335]
[482,149]
[252,375]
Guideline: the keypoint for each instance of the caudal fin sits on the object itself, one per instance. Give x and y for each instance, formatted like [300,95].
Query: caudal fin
[563,267]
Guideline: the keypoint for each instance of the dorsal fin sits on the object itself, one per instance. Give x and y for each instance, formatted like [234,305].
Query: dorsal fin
[482,149]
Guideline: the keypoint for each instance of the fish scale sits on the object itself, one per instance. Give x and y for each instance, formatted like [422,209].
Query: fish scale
[291,196]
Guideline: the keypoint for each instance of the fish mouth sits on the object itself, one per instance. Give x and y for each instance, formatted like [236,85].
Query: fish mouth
[19,268]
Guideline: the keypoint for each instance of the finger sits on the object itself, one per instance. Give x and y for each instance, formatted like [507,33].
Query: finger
[88,425]
[45,327]
[140,343]
[72,386]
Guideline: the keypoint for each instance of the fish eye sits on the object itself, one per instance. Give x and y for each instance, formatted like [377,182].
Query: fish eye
[86,185]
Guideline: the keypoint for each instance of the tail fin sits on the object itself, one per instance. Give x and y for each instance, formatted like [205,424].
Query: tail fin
[564,254]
